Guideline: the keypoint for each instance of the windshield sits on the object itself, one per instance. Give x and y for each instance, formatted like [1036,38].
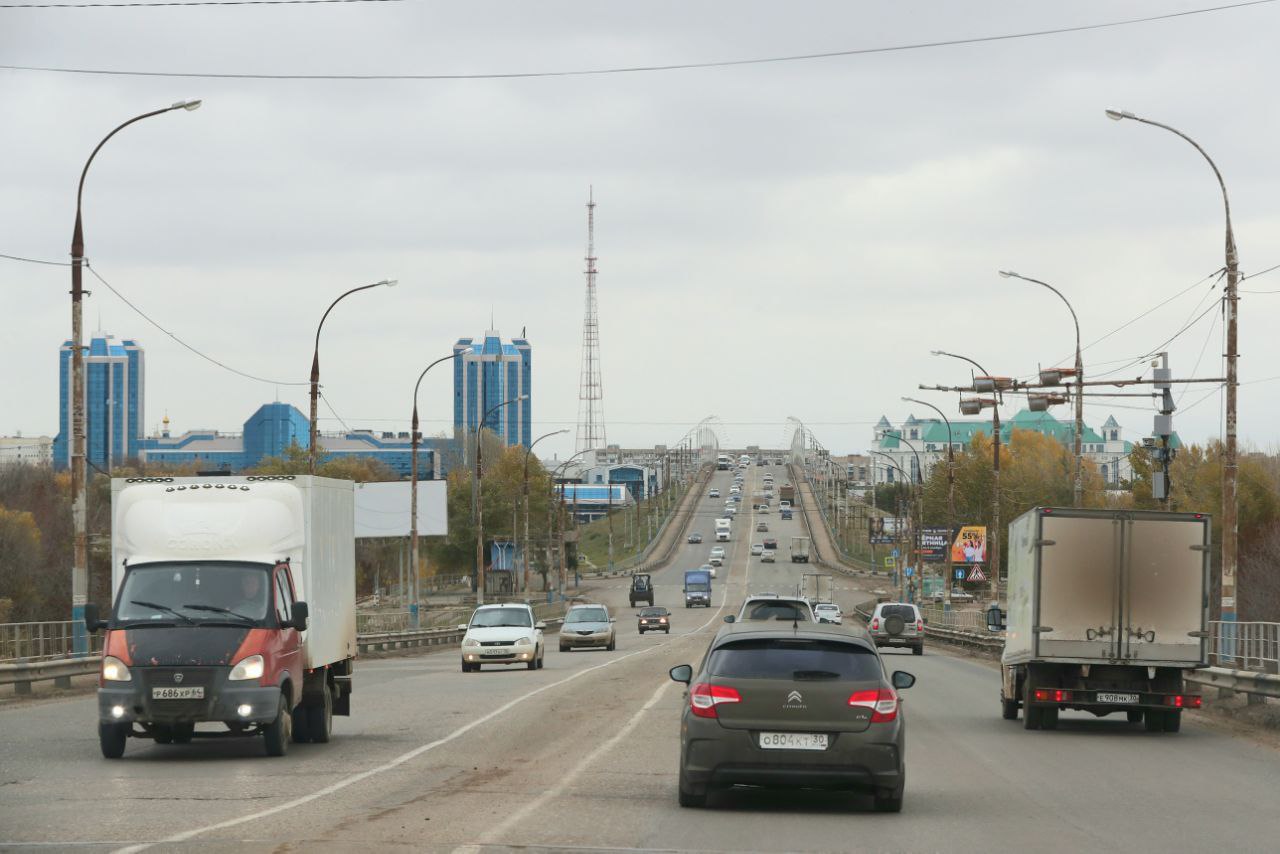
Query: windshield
[794,658]
[189,593]
[587,615]
[491,618]
[777,610]
[654,612]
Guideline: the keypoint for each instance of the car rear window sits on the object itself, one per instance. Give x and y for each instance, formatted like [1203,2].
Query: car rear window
[794,658]
[906,612]
[775,610]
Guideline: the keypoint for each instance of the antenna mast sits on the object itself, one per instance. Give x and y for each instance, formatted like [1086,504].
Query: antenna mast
[590,391]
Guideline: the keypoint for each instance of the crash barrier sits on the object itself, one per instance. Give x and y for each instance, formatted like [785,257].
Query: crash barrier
[851,563]
[44,641]
[660,552]
[22,675]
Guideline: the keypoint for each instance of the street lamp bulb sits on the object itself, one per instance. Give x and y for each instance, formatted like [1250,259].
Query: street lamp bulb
[188,105]
[390,283]
[1117,115]
[1008,274]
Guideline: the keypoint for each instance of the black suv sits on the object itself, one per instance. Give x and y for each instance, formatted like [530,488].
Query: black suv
[807,706]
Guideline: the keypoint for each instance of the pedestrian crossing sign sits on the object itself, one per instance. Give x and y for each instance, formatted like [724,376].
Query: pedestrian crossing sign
[976,574]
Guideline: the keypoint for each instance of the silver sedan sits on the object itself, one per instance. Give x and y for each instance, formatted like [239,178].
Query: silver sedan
[587,627]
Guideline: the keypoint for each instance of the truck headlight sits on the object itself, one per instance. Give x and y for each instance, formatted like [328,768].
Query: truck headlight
[470,642]
[115,670]
[248,668]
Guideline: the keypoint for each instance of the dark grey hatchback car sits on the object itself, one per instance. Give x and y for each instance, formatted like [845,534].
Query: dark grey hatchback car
[806,707]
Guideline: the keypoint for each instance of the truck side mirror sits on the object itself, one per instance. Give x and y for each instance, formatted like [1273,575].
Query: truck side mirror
[996,619]
[92,621]
[300,614]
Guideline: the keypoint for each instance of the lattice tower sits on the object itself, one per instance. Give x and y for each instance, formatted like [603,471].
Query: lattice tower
[590,391]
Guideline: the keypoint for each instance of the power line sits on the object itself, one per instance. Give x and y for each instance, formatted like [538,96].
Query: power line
[636,69]
[192,3]
[202,355]
[36,260]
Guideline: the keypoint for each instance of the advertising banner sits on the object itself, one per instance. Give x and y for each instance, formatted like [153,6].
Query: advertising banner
[970,545]
[885,529]
[932,544]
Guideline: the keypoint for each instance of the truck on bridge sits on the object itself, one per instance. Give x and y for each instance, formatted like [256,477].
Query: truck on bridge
[234,603]
[787,496]
[697,588]
[724,527]
[1106,609]
[799,549]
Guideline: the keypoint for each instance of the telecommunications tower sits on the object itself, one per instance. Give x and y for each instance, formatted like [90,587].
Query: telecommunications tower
[590,390]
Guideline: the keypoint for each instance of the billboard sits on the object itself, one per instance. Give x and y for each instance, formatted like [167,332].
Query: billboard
[970,545]
[382,509]
[932,544]
[885,529]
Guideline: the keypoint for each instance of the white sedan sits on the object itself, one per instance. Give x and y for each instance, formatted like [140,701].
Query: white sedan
[828,612]
[757,548]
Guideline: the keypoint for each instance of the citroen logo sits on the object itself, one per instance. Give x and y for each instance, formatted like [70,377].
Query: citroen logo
[793,697]
[177,677]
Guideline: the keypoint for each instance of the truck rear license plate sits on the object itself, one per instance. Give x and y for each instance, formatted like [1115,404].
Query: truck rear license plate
[793,740]
[193,692]
[1117,698]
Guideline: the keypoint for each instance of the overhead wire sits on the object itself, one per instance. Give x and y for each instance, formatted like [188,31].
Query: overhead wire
[176,3]
[637,69]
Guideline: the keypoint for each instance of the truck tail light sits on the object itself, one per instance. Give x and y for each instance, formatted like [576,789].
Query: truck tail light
[1183,701]
[704,698]
[1051,695]
[883,703]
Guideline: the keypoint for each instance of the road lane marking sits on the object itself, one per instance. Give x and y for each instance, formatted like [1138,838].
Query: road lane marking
[495,833]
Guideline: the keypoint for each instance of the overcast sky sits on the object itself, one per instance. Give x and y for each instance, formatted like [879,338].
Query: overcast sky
[786,239]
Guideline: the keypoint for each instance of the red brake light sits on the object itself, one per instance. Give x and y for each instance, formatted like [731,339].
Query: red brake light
[1052,695]
[883,703]
[1183,701]
[875,624]
[919,625]
[704,698]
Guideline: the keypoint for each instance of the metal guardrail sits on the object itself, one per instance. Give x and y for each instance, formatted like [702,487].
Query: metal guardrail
[44,641]
[1251,646]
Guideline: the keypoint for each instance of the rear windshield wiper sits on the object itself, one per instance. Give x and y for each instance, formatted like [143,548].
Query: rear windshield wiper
[160,607]
[215,609]
[814,674]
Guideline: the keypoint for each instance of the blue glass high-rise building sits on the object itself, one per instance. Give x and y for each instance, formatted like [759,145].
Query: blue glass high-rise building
[115,381]
[487,374]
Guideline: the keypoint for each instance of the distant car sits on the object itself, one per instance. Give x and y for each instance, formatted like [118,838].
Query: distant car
[757,548]
[715,493]
[737,497]
[735,489]
[587,627]
[763,509]
[769,556]
[695,537]
[776,705]
[708,568]
[784,514]
[502,634]
[828,612]
[717,556]
[762,525]
[655,620]
[897,624]
[770,543]
[731,511]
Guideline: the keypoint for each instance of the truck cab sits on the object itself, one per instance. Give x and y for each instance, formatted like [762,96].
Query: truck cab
[697,588]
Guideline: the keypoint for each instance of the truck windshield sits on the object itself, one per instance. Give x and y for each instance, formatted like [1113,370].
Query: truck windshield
[697,586]
[191,593]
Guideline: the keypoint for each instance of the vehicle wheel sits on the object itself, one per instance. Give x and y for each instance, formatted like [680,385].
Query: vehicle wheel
[320,718]
[1049,717]
[1031,715]
[667,631]
[613,644]
[688,798]
[564,648]
[1173,721]
[642,631]
[1154,721]
[1008,709]
[301,733]
[1134,716]
[890,800]
[918,649]
[466,668]
[182,733]
[542,658]
[162,735]
[112,737]
[276,734]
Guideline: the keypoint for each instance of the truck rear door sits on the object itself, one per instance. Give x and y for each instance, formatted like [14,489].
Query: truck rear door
[1077,614]
[1165,587]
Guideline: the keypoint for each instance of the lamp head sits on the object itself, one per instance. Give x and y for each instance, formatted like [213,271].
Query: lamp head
[1117,115]
[390,283]
[1008,274]
[187,105]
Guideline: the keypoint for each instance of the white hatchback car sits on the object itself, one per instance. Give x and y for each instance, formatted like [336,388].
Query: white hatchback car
[757,548]
[828,612]
[502,634]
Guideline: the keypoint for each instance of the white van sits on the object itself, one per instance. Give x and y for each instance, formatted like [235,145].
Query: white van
[723,527]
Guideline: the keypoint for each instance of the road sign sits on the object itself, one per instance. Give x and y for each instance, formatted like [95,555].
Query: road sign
[960,571]
[976,574]
[890,562]
[894,553]
[910,571]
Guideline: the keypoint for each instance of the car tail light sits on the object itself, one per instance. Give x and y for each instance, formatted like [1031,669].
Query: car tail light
[704,698]
[1183,701]
[875,624]
[883,703]
[919,625]
[1052,695]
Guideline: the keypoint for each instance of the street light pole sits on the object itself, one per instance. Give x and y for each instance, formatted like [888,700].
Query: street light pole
[1230,470]
[78,440]
[413,486]
[902,579]
[994,537]
[525,551]
[951,497]
[315,368]
[918,492]
[476,486]
[564,568]
[1078,489]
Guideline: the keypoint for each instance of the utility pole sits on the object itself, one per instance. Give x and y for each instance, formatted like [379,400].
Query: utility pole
[1160,481]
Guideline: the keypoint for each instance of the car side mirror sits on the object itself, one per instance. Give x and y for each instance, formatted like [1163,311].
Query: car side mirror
[462,627]
[541,624]
[730,618]
[92,621]
[300,614]
[996,619]
[682,673]
[613,619]
[902,679]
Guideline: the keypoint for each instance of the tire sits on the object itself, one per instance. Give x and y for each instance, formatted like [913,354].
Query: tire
[1008,709]
[542,658]
[890,800]
[276,734]
[667,631]
[613,644]
[112,738]
[182,733]
[320,718]
[1153,721]
[162,735]
[1049,717]
[1031,715]
[1173,721]
[1134,716]
[918,649]
[894,625]
[564,648]
[466,668]
[301,726]
[688,798]
[642,631]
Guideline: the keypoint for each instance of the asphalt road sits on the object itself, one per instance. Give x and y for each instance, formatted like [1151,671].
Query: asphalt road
[582,755]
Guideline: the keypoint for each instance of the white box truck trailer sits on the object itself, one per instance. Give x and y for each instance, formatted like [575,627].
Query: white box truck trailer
[233,603]
[723,529]
[1105,610]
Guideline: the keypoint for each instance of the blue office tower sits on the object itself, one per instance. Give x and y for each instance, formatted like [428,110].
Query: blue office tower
[115,379]
[488,373]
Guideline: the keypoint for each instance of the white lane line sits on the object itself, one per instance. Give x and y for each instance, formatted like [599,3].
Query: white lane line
[364,775]
[496,832]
